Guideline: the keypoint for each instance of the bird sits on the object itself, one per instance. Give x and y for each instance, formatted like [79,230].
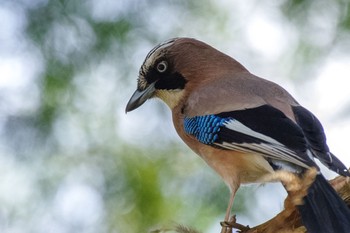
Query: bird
[243,126]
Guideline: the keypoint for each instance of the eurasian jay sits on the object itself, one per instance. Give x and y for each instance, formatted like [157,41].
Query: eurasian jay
[243,126]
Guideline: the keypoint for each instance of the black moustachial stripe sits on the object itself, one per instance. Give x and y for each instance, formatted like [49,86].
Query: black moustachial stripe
[171,82]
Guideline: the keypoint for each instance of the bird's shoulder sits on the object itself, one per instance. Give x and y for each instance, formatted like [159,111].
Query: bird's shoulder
[236,92]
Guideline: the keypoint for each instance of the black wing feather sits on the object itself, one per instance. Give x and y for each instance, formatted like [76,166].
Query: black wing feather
[291,144]
[316,138]
[271,122]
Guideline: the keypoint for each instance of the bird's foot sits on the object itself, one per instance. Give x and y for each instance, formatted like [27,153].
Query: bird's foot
[227,226]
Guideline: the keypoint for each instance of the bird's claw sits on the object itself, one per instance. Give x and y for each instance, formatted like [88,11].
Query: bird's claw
[229,223]
[225,224]
[233,224]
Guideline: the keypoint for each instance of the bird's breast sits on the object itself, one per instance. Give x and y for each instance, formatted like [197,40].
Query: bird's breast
[234,167]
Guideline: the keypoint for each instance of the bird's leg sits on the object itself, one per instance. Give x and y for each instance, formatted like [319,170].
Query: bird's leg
[229,207]
[226,224]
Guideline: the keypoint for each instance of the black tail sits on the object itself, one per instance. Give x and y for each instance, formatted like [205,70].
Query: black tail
[323,211]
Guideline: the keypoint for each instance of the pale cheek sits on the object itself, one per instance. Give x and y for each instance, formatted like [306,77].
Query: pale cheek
[171,98]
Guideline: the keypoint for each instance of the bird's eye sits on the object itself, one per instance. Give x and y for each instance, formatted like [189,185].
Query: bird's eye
[162,66]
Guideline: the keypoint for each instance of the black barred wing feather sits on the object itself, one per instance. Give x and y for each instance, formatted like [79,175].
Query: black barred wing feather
[263,130]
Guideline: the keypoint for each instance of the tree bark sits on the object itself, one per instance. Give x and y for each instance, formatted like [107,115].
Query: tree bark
[288,220]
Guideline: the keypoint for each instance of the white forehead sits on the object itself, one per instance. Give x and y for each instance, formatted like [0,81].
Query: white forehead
[154,53]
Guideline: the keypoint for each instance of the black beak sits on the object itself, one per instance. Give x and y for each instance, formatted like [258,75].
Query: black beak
[139,97]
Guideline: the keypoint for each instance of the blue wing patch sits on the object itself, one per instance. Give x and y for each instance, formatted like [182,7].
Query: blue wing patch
[204,128]
[263,130]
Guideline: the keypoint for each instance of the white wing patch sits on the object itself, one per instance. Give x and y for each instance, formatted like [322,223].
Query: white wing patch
[239,127]
[269,147]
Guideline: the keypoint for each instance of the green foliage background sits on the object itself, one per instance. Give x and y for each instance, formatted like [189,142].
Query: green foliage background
[72,161]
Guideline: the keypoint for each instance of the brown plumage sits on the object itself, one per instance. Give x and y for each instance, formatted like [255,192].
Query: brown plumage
[246,128]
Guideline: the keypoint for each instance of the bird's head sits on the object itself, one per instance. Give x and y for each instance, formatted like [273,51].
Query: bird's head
[174,67]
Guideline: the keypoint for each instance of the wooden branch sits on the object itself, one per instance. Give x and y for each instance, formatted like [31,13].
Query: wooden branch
[288,220]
